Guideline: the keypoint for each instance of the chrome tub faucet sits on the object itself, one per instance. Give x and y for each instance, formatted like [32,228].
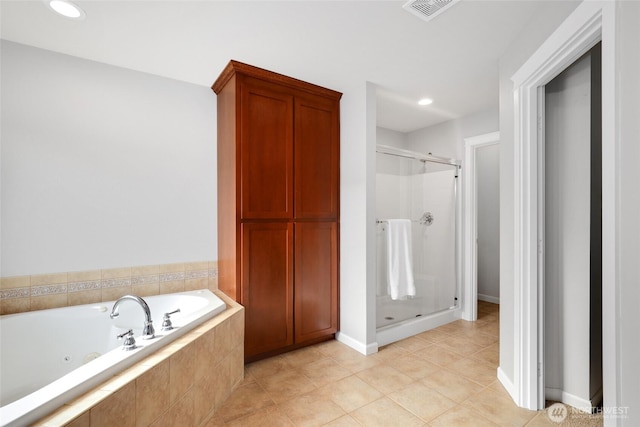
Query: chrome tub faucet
[147,331]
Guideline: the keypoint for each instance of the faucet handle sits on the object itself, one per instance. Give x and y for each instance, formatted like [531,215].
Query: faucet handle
[166,320]
[129,341]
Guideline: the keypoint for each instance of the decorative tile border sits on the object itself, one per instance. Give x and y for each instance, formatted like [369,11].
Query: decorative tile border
[144,280]
[37,291]
[116,283]
[15,293]
[197,274]
[170,277]
[90,285]
[93,285]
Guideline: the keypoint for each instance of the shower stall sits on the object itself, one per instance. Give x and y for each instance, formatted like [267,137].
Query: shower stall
[417,239]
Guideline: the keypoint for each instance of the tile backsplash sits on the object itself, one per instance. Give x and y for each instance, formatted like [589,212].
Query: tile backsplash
[37,292]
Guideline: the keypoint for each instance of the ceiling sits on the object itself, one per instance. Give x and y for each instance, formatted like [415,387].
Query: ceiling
[452,59]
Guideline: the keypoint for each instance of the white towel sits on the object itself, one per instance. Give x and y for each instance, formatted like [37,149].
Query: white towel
[399,263]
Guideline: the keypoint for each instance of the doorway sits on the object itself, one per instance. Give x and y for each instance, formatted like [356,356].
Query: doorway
[488,220]
[590,23]
[571,233]
[481,199]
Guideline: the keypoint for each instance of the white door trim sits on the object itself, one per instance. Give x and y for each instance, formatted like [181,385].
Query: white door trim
[470,299]
[591,22]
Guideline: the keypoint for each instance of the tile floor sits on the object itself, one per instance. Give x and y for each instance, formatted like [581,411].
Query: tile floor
[442,377]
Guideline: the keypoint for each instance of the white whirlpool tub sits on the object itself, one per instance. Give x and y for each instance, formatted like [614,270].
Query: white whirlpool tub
[49,357]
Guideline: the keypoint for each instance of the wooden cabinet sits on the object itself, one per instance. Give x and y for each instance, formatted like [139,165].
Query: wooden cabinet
[278,206]
[317,161]
[316,272]
[267,285]
[266,150]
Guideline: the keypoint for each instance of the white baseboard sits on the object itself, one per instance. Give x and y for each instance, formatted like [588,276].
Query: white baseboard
[507,384]
[357,345]
[489,298]
[580,403]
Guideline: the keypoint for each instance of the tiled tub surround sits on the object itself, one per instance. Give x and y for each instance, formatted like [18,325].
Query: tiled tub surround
[37,292]
[182,384]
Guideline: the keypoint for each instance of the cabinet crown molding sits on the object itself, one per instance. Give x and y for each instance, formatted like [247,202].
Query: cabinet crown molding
[236,67]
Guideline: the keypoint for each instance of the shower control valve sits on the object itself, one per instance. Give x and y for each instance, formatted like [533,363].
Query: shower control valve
[129,340]
[166,320]
[426,218]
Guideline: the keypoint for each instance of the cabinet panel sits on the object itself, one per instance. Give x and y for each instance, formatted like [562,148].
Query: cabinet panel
[266,151]
[316,280]
[316,157]
[228,198]
[267,274]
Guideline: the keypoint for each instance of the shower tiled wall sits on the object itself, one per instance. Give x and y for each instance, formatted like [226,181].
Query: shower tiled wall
[38,292]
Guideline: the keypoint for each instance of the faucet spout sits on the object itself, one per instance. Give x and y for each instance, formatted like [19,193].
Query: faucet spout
[148,331]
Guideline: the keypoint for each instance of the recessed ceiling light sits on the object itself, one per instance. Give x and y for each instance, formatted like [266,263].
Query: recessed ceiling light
[66,8]
[425,101]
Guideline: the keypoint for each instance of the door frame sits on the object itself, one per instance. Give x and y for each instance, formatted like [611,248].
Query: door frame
[471,145]
[590,23]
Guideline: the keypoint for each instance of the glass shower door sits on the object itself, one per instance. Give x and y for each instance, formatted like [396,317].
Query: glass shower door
[425,194]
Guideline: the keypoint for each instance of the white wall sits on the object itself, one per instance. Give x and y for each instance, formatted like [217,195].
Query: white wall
[391,138]
[539,28]
[628,67]
[357,216]
[447,139]
[487,169]
[102,167]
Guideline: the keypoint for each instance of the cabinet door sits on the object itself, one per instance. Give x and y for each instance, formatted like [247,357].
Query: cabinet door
[317,157]
[316,280]
[267,290]
[266,151]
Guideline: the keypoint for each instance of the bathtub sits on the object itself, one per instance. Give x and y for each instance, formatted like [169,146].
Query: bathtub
[49,357]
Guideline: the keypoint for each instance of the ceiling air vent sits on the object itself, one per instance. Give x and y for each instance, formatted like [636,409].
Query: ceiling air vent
[428,9]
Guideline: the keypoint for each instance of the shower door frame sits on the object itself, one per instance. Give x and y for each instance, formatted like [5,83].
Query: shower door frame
[399,152]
